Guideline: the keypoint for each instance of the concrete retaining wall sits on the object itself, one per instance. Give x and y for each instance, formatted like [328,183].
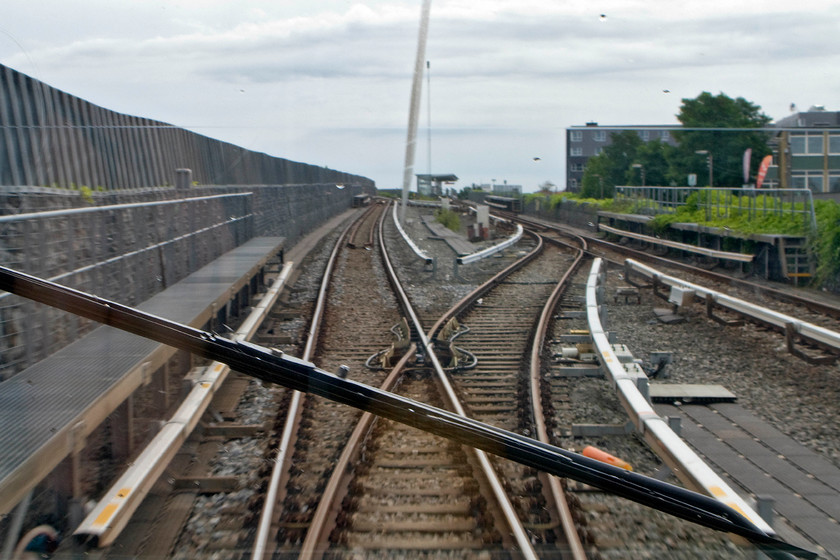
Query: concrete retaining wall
[129,245]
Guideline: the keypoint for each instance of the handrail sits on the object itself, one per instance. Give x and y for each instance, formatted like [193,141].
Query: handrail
[114,510]
[682,460]
[93,209]
[821,335]
[658,199]
[726,255]
[478,255]
[417,251]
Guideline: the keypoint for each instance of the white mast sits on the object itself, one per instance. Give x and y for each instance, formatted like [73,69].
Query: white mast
[416,86]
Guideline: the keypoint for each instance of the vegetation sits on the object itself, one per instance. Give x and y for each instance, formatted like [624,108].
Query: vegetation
[630,161]
[826,243]
[759,214]
[449,219]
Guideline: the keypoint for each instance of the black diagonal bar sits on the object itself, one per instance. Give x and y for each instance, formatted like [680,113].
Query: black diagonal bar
[303,376]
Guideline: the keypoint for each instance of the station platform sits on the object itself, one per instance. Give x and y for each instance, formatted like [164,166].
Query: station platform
[49,409]
[803,486]
[461,246]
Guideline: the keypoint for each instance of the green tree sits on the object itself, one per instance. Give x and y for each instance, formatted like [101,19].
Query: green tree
[609,168]
[653,158]
[726,147]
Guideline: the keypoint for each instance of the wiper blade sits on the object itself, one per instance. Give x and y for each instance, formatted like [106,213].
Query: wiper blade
[294,373]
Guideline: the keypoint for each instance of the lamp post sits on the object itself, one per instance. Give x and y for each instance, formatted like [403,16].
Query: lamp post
[641,168]
[708,160]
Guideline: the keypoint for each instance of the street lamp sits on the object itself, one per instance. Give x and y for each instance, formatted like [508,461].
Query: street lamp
[709,160]
[641,168]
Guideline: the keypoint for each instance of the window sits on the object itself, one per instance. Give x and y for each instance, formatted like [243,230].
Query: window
[797,144]
[666,135]
[576,151]
[815,144]
[576,167]
[576,136]
[645,135]
[809,144]
[834,183]
[834,144]
[600,136]
[807,180]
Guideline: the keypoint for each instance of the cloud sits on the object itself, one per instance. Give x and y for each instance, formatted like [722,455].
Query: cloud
[278,76]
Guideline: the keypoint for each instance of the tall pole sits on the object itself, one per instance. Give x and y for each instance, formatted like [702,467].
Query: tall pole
[416,85]
[429,113]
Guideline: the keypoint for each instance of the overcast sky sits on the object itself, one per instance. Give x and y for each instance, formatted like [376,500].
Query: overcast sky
[328,82]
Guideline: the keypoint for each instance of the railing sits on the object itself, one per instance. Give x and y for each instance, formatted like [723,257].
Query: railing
[126,252]
[626,379]
[723,202]
[821,336]
[417,250]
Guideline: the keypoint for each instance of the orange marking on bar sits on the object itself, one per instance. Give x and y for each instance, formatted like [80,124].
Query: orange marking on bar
[106,514]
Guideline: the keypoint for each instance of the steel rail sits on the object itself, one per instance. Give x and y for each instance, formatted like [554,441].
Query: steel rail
[356,225]
[300,375]
[318,526]
[797,299]
[526,549]
[465,302]
[564,513]
[285,446]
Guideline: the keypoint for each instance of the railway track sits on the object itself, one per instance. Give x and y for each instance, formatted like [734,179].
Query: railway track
[316,452]
[308,475]
[807,306]
[353,319]
[595,405]
[413,491]
[501,326]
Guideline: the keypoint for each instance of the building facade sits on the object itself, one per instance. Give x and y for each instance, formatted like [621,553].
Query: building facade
[584,142]
[807,151]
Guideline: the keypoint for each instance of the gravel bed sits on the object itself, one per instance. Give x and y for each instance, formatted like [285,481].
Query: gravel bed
[215,527]
[797,398]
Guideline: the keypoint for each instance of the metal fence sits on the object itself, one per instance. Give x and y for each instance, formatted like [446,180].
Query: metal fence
[125,252]
[51,138]
[722,203]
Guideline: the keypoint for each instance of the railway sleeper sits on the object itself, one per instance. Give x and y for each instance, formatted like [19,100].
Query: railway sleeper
[791,336]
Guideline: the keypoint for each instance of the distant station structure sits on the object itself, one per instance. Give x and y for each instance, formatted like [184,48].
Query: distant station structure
[432,185]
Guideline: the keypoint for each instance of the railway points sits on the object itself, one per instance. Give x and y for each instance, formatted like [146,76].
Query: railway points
[479,400]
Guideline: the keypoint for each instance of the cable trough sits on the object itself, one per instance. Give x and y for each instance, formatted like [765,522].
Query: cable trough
[300,375]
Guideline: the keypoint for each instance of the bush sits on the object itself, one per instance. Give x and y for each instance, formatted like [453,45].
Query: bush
[449,219]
